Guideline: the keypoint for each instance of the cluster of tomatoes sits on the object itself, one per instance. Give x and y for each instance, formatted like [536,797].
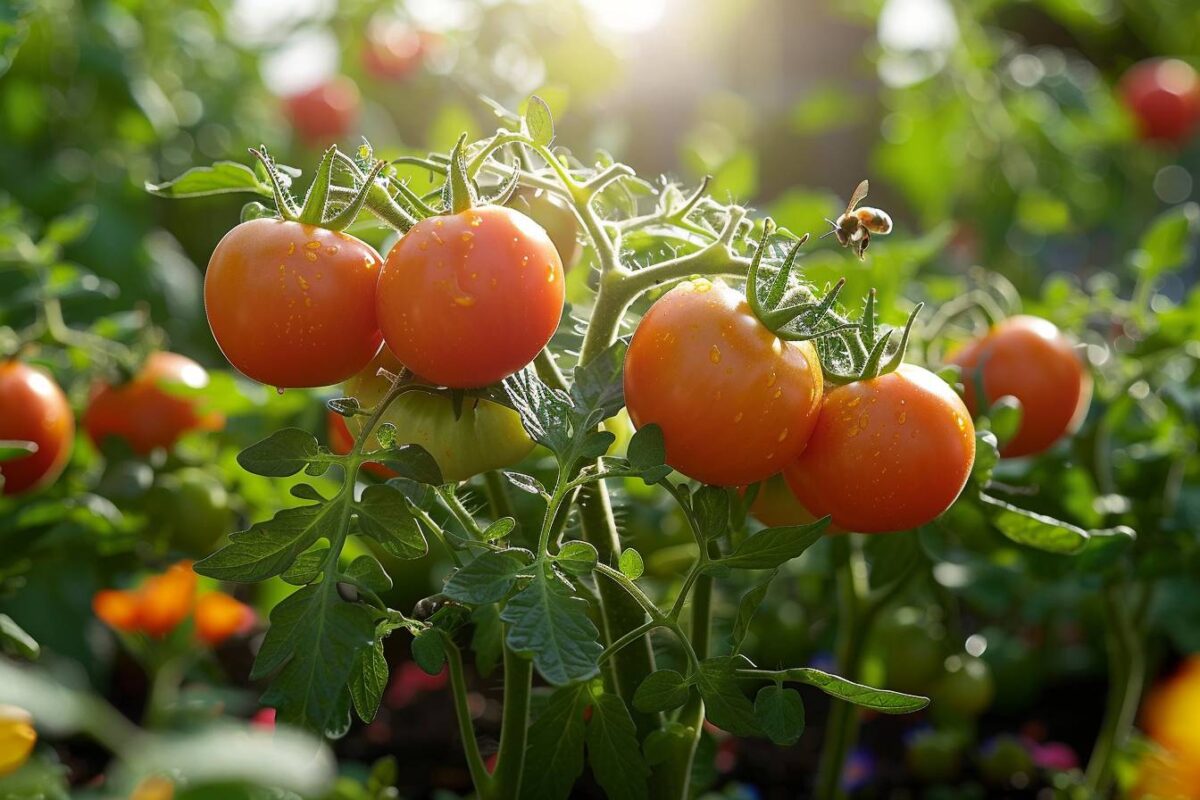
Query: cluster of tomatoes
[142,412]
[738,405]
[162,602]
[462,300]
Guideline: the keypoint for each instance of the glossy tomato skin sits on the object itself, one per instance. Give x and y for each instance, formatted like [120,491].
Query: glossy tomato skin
[1164,96]
[468,299]
[887,454]
[326,112]
[735,403]
[555,217]
[485,436]
[1028,358]
[144,412]
[33,409]
[293,305]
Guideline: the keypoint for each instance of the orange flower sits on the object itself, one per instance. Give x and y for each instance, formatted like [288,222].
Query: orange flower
[17,738]
[1170,719]
[167,599]
[117,608]
[219,616]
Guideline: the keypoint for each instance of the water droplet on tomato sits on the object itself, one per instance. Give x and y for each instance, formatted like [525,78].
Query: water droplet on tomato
[714,355]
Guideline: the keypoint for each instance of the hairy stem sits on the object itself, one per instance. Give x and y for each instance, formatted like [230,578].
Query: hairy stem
[462,711]
[510,761]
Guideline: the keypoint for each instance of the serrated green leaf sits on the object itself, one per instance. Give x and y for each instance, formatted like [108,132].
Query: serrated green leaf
[369,574]
[368,680]
[710,505]
[222,177]
[383,514]
[268,548]
[779,713]
[613,751]
[306,567]
[631,564]
[772,547]
[724,703]
[646,450]
[539,123]
[549,624]
[489,577]
[499,529]
[750,602]
[280,455]
[882,700]
[1032,529]
[411,461]
[663,690]
[315,638]
[598,385]
[429,652]
[545,413]
[554,747]
[577,558]
[526,483]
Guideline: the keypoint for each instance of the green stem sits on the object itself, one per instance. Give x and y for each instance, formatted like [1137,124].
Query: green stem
[1127,675]
[497,495]
[842,727]
[462,711]
[510,761]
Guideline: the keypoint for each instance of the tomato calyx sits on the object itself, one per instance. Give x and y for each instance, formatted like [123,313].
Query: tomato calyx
[319,202]
[860,351]
[460,193]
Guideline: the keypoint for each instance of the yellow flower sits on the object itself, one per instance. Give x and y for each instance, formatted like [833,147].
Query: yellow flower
[17,738]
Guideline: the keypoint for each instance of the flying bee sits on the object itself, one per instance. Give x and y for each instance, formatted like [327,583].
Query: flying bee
[855,226]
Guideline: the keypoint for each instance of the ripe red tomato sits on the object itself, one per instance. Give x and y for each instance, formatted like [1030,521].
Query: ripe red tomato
[1028,358]
[888,454]
[143,412]
[33,409]
[324,113]
[1164,96]
[555,217]
[484,436]
[393,50]
[735,403]
[293,305]
[468,299]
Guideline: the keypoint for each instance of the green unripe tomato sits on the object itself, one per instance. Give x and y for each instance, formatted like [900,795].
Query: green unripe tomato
[1002,758]
[555,217]
[913,651]
[934,756]
[485,435]
[192,508]
[967,687]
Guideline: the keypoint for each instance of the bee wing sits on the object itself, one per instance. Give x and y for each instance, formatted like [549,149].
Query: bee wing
[859,193]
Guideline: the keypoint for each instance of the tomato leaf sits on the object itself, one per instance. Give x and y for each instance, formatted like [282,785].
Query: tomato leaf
[710,505]
[647,453]
[368,680]
[306,567]
[551,625]
[429,652]
[489,577]
[663,690]
[554,748]
[1032,529]
[725,705]
[577,558]
[499,529]
[631,564]
[270,547]
[411,461]
[526,483]
[487,640]
[545,412]
[779,713]
[751,600]
[613,750]
[281,454]
[1167,243]
[384,515]
[539,123]
[223,177]
[315,639]
[368,573]
[10,449]
[15,641]
[599,384]
[772,547]
[881,700]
